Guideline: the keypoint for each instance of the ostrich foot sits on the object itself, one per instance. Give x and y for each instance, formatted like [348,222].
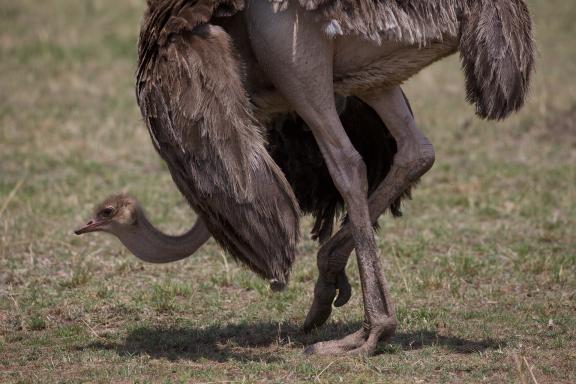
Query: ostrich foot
[362,342]
[324,294]
[334,254]
[332,260]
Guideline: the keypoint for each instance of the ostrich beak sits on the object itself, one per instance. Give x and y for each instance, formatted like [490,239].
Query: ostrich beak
[91,226]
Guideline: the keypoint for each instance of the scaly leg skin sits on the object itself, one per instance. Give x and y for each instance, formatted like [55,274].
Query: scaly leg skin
[415,157]
[283,45]
[332,260]
[379,313]
[325,295]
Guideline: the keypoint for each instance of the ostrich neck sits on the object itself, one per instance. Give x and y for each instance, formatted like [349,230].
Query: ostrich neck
[150,244]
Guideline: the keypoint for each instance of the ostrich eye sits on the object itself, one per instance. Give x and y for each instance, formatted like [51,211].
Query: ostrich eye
[107,212]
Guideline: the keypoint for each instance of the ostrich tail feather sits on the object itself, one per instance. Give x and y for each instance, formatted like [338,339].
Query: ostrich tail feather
[497,54]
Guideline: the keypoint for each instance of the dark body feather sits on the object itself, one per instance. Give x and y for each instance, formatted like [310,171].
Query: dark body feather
[293,147]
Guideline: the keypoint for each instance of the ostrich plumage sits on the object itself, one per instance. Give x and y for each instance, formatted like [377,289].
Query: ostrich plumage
[240,100]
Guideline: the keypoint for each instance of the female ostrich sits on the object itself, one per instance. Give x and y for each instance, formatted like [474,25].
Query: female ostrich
[211,71]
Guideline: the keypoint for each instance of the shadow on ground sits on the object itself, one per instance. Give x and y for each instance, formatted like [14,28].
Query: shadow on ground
[259,341]
[427,338]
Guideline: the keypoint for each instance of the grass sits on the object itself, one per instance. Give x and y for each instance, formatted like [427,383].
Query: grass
[481,267]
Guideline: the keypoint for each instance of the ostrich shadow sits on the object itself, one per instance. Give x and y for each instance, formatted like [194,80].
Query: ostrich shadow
[258,341]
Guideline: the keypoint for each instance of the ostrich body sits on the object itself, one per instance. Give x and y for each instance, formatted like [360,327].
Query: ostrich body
[213,74]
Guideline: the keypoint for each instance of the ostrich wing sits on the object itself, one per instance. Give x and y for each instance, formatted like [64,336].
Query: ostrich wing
[198,114]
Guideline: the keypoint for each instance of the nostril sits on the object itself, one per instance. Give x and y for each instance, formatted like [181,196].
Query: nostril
[90,222]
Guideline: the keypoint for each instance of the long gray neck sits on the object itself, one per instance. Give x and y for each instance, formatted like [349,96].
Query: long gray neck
[149,244]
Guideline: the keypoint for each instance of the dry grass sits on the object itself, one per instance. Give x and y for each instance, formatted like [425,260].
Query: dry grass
[482,266]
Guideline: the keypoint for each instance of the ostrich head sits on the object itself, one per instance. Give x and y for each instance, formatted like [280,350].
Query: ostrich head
[113,215]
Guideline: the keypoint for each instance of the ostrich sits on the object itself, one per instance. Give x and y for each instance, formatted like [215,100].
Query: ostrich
[214,75]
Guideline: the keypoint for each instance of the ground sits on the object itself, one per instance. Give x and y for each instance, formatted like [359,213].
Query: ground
[482,266]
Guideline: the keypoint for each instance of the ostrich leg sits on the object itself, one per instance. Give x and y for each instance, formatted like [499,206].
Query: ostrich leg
[414,157]
[297,57]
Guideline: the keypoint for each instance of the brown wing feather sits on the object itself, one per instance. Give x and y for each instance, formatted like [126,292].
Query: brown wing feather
[199,117]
